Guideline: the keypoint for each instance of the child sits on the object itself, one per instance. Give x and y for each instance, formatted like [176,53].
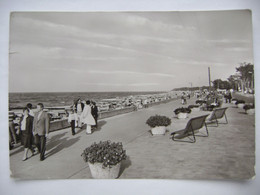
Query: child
[73,117]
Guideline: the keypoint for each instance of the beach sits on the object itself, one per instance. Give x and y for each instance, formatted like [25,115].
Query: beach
[220,156]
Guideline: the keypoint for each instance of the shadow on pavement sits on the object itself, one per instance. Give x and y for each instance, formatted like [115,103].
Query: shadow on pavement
[100,124]
[56,144]
[125,164]
[16,150]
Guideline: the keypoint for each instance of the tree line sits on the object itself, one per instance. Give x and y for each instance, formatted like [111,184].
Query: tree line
[242,80]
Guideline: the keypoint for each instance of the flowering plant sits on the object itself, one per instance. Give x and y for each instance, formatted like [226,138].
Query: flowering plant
[157,120]
[182,109]
[248,106]
[200,102]
[240,102]
[193,106]
[106,152]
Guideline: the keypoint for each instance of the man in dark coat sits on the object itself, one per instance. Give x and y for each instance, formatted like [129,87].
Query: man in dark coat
[94,112]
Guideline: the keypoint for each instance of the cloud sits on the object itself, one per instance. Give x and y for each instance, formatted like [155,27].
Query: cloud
[237,49]
[131,72]
[142,84]
[228,41]
[119,85]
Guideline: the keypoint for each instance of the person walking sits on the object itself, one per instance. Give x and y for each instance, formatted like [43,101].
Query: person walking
[72,119]
[79,106]
[41,126]
[25,129]
[12,133]
[87,117]
[29,106]
[94,112]
[229,96]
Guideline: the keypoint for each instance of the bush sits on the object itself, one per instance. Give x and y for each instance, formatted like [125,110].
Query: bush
[193,106]
[183,110]
[200,102]
[157,120]
[105,152]
[240,102]
[248,106]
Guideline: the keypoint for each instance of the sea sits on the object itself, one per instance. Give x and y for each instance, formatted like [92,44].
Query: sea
[60,99]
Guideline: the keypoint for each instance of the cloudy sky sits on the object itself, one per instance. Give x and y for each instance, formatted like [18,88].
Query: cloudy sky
[125,51]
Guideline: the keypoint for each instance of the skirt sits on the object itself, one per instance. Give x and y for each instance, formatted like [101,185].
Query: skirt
[27,140]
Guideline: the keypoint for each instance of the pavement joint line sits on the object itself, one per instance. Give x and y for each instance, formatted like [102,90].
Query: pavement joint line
[135,138]
[78,172]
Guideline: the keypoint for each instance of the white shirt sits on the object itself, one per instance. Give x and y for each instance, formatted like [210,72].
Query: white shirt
[39,115]
[31,113]
[23,126]
[72,117]
[79,109]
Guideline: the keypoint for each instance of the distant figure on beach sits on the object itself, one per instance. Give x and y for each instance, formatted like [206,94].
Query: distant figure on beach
[41,126]
[72,119]
[12,133]
[29,106]
[183,99]
[94,112]
[87,117]
[26,132]
[79,106]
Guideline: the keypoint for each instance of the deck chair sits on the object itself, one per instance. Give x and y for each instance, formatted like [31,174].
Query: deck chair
[217,114]
[193,124]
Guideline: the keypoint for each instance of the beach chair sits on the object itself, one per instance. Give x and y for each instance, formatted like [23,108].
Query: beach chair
[193,124]
[217,114]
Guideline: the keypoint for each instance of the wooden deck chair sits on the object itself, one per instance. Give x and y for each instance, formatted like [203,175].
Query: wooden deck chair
[193,124]
[217,114]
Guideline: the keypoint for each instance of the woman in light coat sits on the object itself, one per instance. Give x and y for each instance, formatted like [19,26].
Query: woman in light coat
[87,118]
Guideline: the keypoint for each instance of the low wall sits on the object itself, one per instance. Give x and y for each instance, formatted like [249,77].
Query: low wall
[111,113]
[59,124]
[63,123]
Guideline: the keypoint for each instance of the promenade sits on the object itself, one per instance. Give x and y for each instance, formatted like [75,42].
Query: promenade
[228,152]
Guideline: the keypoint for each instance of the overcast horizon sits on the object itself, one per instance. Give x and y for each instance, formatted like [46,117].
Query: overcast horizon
[125,51]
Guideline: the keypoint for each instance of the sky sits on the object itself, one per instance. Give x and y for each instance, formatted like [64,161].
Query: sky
[125,51]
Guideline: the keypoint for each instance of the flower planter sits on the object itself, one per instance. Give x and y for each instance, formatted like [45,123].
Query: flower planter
[182,115]
[196,109]
[240,105]
[98,172]
[158,130]
[250,111]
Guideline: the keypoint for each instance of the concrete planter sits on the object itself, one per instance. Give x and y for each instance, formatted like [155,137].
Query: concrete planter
[250,111]
[98,172]
[240,105]
[158,130]
[196,109]
[182,115]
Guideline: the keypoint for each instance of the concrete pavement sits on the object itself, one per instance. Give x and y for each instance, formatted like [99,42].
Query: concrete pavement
[228,152]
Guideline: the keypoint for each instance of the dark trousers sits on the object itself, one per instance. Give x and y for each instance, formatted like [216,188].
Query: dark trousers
[96,121]
[40,142]
[72,124]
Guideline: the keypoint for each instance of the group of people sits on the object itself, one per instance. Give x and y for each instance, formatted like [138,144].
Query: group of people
[83,112]
[33,130]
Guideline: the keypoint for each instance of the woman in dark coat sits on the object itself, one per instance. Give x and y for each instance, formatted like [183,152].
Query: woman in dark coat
[26,126]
